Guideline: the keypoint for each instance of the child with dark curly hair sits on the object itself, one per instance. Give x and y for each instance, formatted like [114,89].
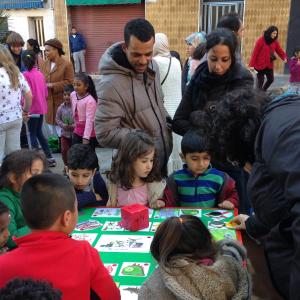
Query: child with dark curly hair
[135,175]
[82,166]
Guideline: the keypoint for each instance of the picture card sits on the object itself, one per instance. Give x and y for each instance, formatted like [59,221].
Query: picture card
[88,225]
[124,243]
[89,237]
[134,269]
[112,226]
[219,214]
[107,212]
[221,234]
[154,226]
[216,224]
[129,292]
[111,268]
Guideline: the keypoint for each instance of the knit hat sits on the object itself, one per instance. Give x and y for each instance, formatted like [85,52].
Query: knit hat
[55,43]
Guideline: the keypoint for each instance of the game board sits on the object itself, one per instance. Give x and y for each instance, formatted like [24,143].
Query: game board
[125,254]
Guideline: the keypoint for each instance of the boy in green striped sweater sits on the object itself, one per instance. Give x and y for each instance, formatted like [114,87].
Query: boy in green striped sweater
[198,183]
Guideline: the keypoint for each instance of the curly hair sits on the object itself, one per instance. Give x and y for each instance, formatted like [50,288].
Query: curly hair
[233,124]
[135,145]
[29,289]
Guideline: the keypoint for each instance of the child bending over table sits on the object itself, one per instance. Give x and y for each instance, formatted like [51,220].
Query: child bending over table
[198,183]
[49,253]
[135,175]
[82,166]
[193,266]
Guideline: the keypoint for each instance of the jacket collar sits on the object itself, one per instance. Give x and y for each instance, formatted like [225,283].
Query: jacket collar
[187,171]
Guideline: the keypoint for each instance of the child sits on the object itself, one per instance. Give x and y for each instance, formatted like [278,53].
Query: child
[64,119]
[4,223]
[135,177]
[294,65]
[84,102]
[50,209]
[82,166]
[198,183]
[16,168]
[192,266]
[38,87]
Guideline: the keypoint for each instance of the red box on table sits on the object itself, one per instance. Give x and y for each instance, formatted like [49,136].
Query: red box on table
[135,217]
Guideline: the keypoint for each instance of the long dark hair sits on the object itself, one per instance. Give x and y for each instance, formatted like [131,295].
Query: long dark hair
[135,145]
[89,83]
[222,36]
[182,237]
[267,34]
[35,45]
[28,58]
[18,162]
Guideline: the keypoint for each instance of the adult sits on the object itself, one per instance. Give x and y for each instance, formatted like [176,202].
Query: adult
[130,95]
[12,87]
[266,142]
[192,41]
[58,73]
[170,79]
[77,47]
[212,79]
[233,22]
[33,45]
[263,57]
[15,44]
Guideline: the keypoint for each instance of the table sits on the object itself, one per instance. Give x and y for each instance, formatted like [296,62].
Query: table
[126,254]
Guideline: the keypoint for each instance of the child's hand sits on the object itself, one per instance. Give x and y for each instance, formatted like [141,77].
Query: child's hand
[98,197]
[160,204]
[226,204]
[85,141]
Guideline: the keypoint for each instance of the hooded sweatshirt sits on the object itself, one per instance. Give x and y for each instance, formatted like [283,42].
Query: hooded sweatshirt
[130,101]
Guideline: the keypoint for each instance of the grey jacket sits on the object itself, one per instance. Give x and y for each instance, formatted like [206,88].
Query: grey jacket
[130,101]
[225,279]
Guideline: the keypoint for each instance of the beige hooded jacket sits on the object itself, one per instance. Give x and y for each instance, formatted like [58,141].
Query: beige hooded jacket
[130,101]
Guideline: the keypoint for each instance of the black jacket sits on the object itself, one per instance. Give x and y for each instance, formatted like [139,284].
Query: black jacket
[205,87]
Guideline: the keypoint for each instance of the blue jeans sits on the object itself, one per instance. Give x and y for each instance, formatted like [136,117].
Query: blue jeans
[35,125]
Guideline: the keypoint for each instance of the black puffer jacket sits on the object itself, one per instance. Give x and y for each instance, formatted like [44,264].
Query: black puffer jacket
[205,87]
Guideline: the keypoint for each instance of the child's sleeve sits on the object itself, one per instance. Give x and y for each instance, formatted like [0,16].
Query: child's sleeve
[100,188]
[101,282]
[58,118]
[228,191]
[90,117]
[172,189]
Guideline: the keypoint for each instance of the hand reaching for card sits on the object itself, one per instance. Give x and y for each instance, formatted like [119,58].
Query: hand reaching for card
[226,205]
[240,221]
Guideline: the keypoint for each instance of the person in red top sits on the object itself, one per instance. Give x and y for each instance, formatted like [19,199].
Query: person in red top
[49,253]
[263,56]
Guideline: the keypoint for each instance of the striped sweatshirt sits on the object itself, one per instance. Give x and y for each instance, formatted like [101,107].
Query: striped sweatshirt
[201,191]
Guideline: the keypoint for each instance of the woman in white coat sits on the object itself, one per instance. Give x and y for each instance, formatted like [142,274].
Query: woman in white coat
[170,78]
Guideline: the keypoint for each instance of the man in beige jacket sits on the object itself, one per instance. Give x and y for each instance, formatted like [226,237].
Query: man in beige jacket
[130,92]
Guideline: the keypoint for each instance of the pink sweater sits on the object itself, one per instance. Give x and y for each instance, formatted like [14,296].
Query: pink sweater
[38,87]
[84,114]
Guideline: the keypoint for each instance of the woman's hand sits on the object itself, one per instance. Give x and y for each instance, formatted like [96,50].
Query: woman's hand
[85,141]
[240,221]
[49,85]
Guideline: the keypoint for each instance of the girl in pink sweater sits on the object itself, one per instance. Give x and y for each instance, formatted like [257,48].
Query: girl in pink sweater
[84,103]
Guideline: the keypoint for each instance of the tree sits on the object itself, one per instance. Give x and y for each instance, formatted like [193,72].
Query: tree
[3,26]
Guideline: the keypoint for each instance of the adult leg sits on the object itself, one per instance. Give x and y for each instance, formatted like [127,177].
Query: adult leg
[12,142]
[76,61]
[260,79]
[39,134]
[270,78]
[33,124]
[82,60]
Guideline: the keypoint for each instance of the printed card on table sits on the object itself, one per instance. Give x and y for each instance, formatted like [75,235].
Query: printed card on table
[219,214]
[107,212]
[154,226]
[111,268]
[134,269]
[88,225]
[176,212]
[124,243]
[89,237]
[129,292]
[112,226]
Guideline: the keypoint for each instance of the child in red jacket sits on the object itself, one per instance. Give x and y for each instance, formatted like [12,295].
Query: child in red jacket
[263,57]
[49,206]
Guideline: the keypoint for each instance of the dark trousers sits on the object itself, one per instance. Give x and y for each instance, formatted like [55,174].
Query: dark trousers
[35,125]
[65,145]
[269,73]
[76,139]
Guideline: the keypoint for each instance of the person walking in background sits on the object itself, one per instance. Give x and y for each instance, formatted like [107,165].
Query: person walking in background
[263,57]
[33,45]
[192,41]
[37,83]
[64,119]
[58,73]
[294,65]
[12,87]
[77,46]
[170,80]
